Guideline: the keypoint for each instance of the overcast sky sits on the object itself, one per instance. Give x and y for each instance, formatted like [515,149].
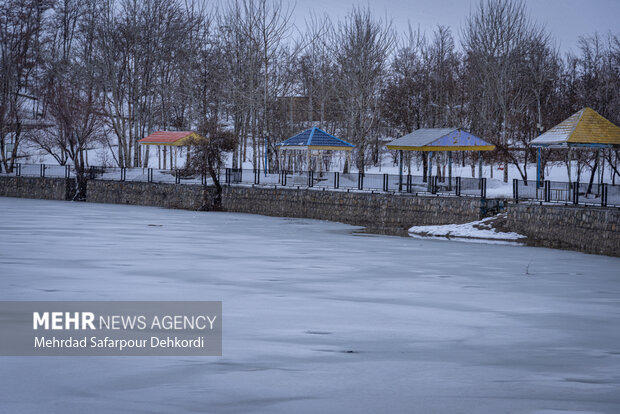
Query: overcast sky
[565,19]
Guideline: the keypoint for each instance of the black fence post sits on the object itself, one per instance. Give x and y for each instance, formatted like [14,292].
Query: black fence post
[67,171]
[515,189]
[547,191]
[458,186]
[227,176]
[409,180]
[336,179]
[576,192]
[42,170]
[483,187]
[256,176]
[92,172]
[386,182]
[177,176]
[360,181]
[149,175]
[18,169]
[284,177]
[122,173]
[604,195]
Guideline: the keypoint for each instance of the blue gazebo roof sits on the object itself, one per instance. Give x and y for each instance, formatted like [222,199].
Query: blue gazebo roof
[440,139]
[315,138]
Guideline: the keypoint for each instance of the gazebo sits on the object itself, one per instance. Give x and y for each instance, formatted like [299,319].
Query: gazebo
[435,140]
[314,139]
[172,139]
[583,129]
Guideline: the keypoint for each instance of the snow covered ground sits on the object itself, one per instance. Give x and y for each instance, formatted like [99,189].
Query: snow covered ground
[316,318]
[481,229]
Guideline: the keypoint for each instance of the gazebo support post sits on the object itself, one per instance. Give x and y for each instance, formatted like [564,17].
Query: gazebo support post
[449,170]
[308,158]
[347,163]
[568,163]
[480,164]
[400,171]
[598,165]
[602,170]
[538,165]
[165,155]
[430,164]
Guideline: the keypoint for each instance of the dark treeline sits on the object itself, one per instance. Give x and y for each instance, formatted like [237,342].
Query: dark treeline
[81,74]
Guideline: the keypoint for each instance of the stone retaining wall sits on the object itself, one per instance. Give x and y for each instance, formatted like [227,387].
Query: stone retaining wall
[187,197]
[378,212]
[587,229]
[35,187]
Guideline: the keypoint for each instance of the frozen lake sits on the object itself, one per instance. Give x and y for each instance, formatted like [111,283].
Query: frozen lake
[316,318]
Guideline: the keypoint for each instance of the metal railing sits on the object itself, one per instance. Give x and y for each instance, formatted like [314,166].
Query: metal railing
[568,193]
[456,186]
[43,170]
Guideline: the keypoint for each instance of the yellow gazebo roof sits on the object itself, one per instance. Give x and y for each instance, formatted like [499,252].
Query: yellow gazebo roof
[585,128]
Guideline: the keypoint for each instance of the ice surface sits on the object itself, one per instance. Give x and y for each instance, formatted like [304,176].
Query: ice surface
[316,319]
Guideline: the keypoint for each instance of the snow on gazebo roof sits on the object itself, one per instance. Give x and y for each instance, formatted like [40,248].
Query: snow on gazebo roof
[585,128]
[174,138]
[440,139]
[317,139]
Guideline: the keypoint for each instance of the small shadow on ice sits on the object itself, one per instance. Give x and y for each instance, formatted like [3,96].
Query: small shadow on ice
[589,380]
[340,351]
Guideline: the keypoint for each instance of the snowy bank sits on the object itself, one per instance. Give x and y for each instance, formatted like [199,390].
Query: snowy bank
[485,229]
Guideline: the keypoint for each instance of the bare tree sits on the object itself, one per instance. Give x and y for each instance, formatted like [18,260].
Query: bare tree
[20,32]
[495,39]
[362,45]
[207,155]
[71,95]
